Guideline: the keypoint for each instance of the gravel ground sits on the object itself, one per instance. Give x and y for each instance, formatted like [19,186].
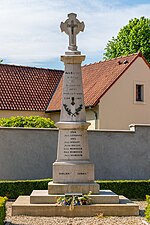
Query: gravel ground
[97,220]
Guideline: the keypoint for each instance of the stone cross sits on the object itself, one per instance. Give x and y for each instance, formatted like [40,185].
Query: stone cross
[72,27]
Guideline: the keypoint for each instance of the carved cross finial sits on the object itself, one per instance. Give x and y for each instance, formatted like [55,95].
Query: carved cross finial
[72,27]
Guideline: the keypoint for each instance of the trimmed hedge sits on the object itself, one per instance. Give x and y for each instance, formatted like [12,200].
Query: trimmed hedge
[2,209]
[132,189]
[12,189]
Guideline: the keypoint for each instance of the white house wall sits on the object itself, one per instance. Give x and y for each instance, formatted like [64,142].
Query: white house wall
[118,108]
[92,116]
[55,116]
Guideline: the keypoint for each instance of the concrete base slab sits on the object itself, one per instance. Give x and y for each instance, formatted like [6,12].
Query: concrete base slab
[104,196]
[22,206]
[61,188]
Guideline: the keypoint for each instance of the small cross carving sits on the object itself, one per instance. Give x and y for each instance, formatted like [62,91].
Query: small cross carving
[72,103]
[72,27]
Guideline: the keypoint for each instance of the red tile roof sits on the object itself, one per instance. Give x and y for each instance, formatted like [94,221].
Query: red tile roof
[27,88]
[97,79]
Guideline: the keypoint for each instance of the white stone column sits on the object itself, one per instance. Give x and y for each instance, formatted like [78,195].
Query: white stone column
[73,163]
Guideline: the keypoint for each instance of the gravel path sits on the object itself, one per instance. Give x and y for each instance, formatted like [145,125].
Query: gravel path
[97,220]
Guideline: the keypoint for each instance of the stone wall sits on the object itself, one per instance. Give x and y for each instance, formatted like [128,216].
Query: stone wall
[29,153]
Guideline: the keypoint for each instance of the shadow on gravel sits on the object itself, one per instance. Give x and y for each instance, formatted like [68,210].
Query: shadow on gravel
[9,223]
[142,213]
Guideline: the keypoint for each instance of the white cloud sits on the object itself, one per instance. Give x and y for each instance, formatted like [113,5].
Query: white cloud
[30,30]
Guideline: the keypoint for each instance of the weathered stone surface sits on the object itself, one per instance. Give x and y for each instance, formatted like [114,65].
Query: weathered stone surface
[72,145]
[62,188]
[73,172]
[72,108]
[72,27]
[125,207]
[103,197]
[73,162]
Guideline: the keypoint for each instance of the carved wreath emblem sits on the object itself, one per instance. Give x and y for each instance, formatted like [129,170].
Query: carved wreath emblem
[77,110]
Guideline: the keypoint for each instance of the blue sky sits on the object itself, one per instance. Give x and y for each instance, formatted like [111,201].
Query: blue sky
[30,29]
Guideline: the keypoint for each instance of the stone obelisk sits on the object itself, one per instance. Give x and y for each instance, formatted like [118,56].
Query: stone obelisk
[72,170]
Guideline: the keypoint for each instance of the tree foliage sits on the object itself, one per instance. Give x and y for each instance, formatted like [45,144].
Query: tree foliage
[132,38]
[32,121]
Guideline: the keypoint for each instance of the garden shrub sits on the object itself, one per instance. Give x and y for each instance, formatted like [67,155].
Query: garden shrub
[147,212]
[31,121]
[131,189]
[12,189]
[2,209]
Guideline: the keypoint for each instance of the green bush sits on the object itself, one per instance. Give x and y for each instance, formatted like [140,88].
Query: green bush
[12,189]
[130,189]
[32,121]
[2,209]
[147,212]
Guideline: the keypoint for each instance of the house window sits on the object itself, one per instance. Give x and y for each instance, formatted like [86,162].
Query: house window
[139,93]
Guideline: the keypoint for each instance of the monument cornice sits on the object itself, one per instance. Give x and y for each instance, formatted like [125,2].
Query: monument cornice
[73,125]
[72,59]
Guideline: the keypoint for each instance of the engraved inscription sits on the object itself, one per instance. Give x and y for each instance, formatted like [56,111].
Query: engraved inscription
[78,173]
[62,173]
[72,144]
[82,173]
[72,94]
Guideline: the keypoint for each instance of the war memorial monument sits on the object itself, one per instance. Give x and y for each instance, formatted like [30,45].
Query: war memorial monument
[73,172]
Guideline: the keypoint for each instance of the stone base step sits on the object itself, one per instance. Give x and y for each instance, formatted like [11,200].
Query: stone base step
[22,206]
[104,196]
[61,188]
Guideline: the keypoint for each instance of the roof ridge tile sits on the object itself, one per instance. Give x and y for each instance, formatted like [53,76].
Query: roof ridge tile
[119,57]
[29,67]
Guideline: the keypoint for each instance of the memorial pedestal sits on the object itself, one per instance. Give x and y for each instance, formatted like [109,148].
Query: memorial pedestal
[84,188]
[42,204]
[102,197]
